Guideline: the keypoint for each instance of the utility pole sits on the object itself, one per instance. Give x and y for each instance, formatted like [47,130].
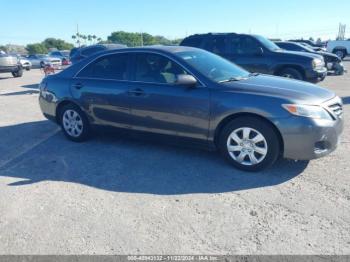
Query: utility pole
[78,35]
[341,31]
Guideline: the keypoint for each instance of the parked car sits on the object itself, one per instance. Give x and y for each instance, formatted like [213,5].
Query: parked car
[341,48]
[61,54]
[10,64]
[333,62]
[308,42]
[78,54]
[258,54]
[39,61]
[188,92]
[25,63]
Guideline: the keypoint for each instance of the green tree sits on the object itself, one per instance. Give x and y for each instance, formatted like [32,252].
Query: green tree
[57,44]
[3,48]
[38,48]
[138,39]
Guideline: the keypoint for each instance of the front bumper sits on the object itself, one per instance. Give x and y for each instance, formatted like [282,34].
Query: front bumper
[315,75]
[306,138]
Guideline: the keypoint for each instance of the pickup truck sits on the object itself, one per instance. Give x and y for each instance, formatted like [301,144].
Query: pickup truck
[10,64]
[339,47]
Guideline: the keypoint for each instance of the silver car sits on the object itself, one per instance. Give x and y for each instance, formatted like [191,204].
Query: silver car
[40,60]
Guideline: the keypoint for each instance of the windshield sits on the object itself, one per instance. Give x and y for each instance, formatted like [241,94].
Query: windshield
[214,67]
[267,43]
[65,53]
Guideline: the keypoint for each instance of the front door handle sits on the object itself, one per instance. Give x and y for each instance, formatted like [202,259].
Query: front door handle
[78,86]
[136,92]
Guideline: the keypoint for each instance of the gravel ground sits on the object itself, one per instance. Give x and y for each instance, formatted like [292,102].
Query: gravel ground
[113,195]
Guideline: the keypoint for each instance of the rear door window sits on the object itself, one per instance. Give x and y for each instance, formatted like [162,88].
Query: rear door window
[107,67]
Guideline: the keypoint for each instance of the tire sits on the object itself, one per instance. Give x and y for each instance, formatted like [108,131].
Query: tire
[74,123]
[18,73]
[42,64]
[291,73]
[268,145]
[340,53]
[28,68]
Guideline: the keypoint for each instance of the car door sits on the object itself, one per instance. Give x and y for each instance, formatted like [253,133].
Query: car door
[102,90]
[159,105]
[248,53]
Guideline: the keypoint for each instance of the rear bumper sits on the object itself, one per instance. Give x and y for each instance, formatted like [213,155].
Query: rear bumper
[316,75]
[306,139]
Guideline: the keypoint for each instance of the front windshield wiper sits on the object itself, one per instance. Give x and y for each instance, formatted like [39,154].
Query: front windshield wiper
[232,79]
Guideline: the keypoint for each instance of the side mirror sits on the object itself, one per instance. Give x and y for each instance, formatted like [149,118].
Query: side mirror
[186,80]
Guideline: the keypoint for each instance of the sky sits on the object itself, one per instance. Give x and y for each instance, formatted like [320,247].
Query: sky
[28,21]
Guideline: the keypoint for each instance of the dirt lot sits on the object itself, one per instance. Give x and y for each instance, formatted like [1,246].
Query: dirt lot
[122,196]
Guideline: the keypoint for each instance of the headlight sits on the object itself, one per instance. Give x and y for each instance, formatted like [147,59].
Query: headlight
[317,63]
[316,112]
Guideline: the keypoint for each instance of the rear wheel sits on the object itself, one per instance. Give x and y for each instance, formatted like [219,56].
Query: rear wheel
[249,143]
[291,73]
[74,123]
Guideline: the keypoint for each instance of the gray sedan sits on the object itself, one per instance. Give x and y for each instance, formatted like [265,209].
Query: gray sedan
[251,119]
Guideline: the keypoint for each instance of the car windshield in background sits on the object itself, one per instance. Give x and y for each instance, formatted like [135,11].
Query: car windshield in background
[65,53]
[214,67]
[267,43]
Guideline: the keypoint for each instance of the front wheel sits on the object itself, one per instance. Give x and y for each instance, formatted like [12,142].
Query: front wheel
[249,143]
[74,123]
[291,73]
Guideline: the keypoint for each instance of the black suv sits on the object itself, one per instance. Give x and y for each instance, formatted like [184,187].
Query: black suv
[258,54]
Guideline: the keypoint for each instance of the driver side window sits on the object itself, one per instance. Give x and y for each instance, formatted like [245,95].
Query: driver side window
[248,46]
[154,68]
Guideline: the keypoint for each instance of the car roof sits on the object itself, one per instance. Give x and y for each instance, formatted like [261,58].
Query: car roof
[159,48]
[211,34]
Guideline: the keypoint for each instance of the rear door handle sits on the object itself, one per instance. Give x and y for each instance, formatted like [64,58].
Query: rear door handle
[136,92]
[78,85]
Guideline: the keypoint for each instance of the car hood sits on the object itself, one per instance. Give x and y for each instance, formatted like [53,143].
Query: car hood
[291,90]
[328,55]
[296,53]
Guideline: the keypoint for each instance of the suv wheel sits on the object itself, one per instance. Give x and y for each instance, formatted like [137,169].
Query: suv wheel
[74,123]
[249,143]
[18,73]
[291,73]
